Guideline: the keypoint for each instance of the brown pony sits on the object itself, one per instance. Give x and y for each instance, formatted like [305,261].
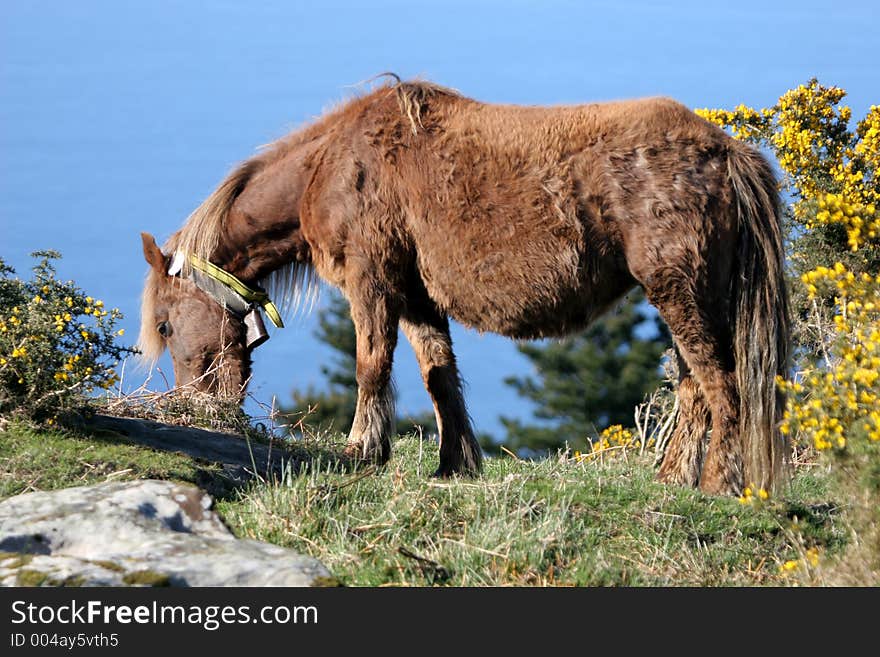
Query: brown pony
[421,204]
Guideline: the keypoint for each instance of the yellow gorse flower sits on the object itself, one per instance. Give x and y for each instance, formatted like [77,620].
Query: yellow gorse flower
[809,560]
[612,441]
[752,496]
[833,175]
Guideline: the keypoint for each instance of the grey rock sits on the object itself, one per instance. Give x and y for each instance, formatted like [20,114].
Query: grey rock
[136,533]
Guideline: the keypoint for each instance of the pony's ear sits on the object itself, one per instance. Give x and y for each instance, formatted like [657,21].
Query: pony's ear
[152,253]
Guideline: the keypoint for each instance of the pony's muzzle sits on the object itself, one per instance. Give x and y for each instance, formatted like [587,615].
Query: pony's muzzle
[256,330]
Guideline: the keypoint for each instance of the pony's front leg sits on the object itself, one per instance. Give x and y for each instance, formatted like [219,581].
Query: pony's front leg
[375,321]
[428,333]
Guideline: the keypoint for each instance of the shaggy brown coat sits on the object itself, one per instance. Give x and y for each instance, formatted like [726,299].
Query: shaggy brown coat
[421,204]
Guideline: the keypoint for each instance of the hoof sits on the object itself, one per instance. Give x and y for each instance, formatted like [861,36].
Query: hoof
[353,451]
[721,488]
[465,459]
[445,471]
[722,476]
[676,478]
[375,454]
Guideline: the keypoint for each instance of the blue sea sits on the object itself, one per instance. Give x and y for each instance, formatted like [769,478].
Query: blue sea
[118,117]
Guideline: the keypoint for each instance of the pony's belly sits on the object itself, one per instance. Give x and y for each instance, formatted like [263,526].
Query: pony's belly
[525,301]
[528,324]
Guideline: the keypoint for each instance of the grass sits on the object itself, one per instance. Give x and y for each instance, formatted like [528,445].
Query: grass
[38,459]
[551,522]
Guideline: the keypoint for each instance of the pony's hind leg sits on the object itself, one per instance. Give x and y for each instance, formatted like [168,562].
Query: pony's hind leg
[375,321]
[698,321]
[428,333]
[684,453]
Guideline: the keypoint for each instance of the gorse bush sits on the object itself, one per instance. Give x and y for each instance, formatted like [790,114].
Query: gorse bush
[831,177]
[57,344]
[832,180]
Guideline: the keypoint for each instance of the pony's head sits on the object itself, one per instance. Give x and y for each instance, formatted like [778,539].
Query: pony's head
[207,342]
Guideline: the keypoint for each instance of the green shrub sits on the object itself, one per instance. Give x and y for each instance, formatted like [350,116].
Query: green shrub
[57,344]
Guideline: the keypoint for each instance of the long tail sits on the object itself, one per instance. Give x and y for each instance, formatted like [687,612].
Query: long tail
[761,331]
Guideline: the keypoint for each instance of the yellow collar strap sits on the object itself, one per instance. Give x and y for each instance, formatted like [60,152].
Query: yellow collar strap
[250,295]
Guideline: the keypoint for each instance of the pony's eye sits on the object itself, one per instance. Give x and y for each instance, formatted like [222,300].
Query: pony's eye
[164,329]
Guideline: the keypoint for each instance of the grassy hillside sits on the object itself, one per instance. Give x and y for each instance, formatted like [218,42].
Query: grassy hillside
[554,522]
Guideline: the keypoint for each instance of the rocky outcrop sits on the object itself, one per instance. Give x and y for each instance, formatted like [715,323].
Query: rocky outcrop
[137,533]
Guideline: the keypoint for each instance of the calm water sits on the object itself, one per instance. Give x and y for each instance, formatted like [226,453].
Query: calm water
[117,117]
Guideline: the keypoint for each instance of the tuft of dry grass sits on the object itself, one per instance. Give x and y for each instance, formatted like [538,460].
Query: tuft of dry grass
[180,407]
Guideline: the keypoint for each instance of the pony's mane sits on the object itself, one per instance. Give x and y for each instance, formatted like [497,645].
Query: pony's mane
[200,234]
[294,286]
[413,96]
